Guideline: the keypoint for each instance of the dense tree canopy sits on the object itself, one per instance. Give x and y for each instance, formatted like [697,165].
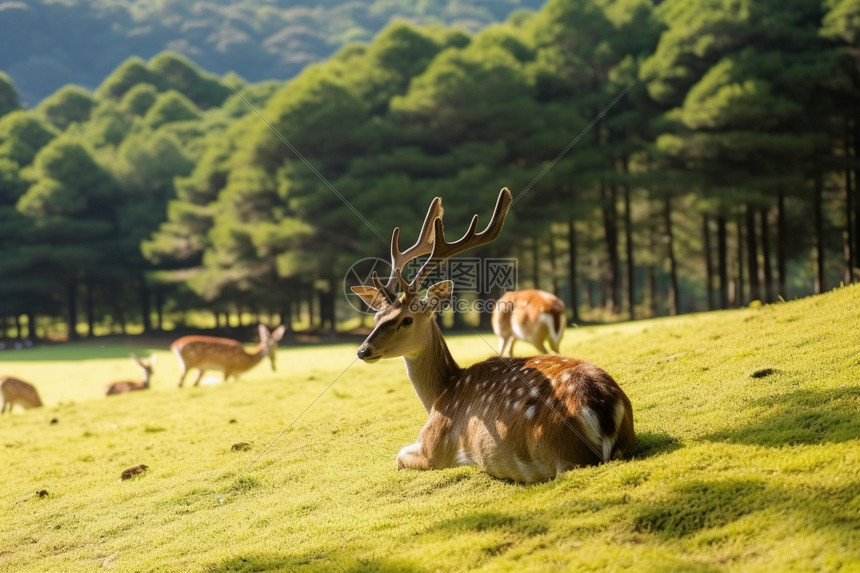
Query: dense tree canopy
[664,157]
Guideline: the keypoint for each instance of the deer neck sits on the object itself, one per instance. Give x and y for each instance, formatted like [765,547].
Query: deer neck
[432,367]
[257,354]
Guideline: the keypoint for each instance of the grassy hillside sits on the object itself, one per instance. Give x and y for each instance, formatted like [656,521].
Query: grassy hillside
[749,459]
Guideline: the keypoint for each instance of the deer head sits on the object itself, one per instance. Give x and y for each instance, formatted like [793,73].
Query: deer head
[402,319]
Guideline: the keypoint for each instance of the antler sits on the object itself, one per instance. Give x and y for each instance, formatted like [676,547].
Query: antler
[432,241]
[443,250]
[399,259]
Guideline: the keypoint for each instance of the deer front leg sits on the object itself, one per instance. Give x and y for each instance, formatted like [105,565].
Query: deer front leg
[436,448]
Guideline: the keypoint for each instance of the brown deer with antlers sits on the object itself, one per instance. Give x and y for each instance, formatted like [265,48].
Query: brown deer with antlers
[523,419]
[534,316]
[126,386]
[225,354]
[16,391]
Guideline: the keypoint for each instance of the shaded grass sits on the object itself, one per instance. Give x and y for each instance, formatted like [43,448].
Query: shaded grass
[747,459]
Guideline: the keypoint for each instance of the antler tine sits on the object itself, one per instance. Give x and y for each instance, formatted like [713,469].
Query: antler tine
[443,250]
[423,246]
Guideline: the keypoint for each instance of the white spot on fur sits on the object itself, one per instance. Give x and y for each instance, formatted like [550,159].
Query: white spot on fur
[530,413]
[464,459]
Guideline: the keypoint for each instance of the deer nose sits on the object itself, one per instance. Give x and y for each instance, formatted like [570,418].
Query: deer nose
[364,351]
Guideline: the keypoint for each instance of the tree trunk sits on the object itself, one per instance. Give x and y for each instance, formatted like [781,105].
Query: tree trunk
[740,254]
[159,310]
[72,308]
[118,312]
[32,333]
[670,253]
[552,263]
[818,220]
[723,260]
[610,225]
[709,265]
[848,234]
[571,270]
[90,308]
[628,244]
[752,254]
[765,259]
[145,309]
[327,308]
[536,262]
[780,240]
[651,272]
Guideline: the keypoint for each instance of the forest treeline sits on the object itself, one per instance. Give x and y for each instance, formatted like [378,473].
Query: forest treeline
[665,157]
[45,44]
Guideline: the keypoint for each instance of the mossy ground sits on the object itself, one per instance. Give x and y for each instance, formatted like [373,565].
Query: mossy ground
[748,459]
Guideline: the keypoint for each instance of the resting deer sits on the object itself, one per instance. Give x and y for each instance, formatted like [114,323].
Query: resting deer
[15,391]
[225,354]
[130,385]
[523,419]
[534,316]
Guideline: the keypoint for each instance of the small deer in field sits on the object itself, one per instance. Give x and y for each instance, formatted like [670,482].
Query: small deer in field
[15,391]
[534,316]
[225,354]
[524,419]
[130,385]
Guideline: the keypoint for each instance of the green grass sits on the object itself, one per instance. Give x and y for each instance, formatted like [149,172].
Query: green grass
[748,460]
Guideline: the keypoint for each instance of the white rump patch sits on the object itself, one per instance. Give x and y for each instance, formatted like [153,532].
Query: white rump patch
[549,321]
[607,447]
[591,425]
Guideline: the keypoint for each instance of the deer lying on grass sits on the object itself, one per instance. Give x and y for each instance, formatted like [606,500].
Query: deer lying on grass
[15,391]
[524,419]
[225,354]
[129,385]
[534,316]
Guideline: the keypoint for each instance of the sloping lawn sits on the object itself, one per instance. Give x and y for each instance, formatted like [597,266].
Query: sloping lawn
[748,460]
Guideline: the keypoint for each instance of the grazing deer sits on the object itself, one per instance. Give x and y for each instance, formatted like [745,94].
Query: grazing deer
[225,354]
[129,385]
[523,419]
[532,315]
[15,391]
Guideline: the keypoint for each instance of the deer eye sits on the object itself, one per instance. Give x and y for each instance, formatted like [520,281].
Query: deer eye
[406,321]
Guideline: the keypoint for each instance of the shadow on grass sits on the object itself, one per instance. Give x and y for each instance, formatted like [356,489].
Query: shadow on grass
[650,444]
[701,505]
[801,417]
[274,562]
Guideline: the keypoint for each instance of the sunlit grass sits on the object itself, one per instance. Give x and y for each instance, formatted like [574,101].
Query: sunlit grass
[748,460]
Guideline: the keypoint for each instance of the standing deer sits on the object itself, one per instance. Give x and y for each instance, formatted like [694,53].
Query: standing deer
[532,315]
[129,385]
[523,419]
[225,354]
[15,391]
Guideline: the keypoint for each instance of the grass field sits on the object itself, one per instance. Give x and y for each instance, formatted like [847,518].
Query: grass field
[748,460]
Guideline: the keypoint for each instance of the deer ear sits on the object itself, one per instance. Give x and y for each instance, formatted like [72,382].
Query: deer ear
[372,297]
[278,333]
[438,293]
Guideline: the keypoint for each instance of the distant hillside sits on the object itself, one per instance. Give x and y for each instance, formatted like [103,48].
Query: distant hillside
[45,44]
